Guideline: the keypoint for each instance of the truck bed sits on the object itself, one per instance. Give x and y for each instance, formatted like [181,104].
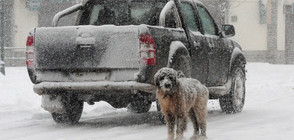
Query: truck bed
[87,47]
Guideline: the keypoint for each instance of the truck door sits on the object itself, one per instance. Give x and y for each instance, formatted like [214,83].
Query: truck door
[198,49]
[218,51]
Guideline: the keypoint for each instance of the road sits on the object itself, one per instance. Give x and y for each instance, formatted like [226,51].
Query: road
[268,113]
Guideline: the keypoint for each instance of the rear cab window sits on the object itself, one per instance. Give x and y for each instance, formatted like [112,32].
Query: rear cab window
[122,12]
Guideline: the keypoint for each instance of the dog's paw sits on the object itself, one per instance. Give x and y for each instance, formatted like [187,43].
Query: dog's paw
[198,137]
[170,137]
[180,137]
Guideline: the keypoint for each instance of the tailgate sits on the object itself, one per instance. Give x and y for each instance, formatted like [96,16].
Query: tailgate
[87,47]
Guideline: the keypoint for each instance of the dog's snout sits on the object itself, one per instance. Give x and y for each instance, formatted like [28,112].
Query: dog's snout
[167,85]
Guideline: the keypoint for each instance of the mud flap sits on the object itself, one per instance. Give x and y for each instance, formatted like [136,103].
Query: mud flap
[52,104]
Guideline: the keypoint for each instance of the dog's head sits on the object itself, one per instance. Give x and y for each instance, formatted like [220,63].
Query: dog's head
[166,79]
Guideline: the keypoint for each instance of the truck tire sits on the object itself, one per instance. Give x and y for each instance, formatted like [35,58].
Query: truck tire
[73,111]
[234,101]
[140,104]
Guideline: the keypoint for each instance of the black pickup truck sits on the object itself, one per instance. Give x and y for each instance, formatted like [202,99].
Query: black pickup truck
[116,47]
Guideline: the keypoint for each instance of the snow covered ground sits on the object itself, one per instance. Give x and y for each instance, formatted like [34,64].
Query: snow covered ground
[268,113]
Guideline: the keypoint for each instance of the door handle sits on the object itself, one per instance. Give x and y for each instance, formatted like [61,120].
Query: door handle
[85,40]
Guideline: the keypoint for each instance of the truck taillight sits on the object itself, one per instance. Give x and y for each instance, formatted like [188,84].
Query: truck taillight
[147,50]
[30,52]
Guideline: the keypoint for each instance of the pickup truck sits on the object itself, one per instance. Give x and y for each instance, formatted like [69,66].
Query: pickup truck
[116,46]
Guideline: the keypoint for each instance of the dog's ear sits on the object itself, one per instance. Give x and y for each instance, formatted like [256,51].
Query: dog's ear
[156,79]
[175,84]
[180,74]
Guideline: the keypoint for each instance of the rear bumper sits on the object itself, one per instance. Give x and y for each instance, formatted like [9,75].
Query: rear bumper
[92,87]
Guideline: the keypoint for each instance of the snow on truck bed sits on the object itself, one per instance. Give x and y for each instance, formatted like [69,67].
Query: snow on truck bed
[268,112]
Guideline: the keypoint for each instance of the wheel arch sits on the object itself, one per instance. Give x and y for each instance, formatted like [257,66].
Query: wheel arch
[227,101]
[237,57]
[176,48]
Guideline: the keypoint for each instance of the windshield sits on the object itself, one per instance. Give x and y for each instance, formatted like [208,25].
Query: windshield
[122,13]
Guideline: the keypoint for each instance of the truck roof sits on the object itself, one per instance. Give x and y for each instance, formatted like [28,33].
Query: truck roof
[85,1]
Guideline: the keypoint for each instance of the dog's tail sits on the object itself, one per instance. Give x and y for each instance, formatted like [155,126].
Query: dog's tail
[180,74]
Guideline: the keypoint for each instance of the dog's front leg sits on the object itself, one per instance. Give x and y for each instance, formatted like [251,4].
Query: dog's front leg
[170,120]
[181,126]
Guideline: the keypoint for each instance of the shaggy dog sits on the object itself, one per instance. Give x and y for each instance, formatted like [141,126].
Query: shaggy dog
[180,98]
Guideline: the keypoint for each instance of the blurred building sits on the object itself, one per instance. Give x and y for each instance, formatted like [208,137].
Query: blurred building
[264,28]
[21,16]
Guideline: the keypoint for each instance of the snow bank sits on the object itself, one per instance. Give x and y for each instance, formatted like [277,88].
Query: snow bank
[16,89]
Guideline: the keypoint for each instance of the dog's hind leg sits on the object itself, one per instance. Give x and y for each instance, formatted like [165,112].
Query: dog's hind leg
[170,120]
[201,113]
[193,119]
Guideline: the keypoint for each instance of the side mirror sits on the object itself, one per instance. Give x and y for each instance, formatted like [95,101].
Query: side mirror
[228,30]
[65,12]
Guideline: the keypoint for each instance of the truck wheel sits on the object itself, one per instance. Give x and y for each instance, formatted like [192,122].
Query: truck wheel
[73,111]
[139,105]
[234,102]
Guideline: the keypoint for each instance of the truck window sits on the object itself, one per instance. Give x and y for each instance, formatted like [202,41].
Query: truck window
[145,13]
[207,21]
[190,17]
[94,14]
[123,13]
